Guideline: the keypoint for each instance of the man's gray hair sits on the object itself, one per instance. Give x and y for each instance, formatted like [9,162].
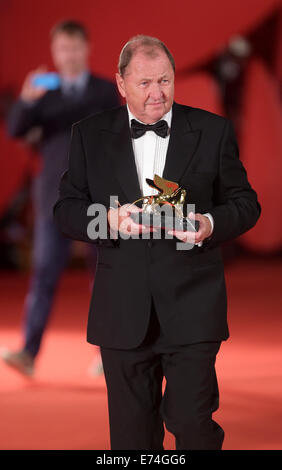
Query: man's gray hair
[147,44]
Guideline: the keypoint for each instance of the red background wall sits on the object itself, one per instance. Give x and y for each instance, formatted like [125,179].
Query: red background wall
[194,32]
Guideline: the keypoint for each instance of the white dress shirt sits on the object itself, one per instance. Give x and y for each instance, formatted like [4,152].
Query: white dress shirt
[150,155]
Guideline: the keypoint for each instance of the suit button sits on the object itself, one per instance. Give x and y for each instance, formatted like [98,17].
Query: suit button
[150,243]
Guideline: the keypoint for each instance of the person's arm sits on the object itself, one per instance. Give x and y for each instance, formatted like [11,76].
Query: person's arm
[22,116]
[70,211]
[236,208]
[25,112]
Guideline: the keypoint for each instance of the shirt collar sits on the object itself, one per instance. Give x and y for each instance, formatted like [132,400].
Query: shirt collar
[166,117]
[79,81]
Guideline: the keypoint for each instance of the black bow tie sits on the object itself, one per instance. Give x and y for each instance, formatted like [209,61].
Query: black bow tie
[138,129]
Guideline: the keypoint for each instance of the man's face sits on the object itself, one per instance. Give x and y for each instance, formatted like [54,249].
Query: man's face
[70,53]
[148,86]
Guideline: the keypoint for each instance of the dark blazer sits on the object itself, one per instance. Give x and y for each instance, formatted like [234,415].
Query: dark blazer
[188,287]
[54,114]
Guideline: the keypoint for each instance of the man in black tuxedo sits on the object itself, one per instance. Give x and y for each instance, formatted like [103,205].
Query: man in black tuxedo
[157,311]
[52,113]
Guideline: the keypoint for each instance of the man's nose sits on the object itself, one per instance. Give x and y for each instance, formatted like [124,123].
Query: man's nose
[156,92]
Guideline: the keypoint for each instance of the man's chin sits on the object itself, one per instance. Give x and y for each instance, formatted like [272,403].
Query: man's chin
[157,112]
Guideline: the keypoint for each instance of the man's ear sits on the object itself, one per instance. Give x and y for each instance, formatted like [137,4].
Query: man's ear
[120,84]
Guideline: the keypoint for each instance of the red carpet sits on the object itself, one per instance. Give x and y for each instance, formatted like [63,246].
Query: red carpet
[64,407]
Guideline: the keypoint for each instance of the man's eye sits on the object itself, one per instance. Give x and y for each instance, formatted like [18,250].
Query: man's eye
[165,80]
[144,83]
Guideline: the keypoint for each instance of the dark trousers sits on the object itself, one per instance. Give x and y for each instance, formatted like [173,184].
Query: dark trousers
[137,408]
[51,251]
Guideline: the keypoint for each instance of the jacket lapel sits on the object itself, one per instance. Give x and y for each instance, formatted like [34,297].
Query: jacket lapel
[118,142]
[182,144]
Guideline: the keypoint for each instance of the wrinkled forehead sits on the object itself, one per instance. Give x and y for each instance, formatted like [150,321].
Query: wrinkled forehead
[150,63]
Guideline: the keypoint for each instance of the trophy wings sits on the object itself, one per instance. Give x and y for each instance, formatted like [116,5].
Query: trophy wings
[164,186]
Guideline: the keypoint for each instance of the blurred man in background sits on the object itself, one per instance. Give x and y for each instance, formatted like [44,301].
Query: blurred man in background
[52,112]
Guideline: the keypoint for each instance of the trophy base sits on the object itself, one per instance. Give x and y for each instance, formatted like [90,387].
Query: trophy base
[165,222]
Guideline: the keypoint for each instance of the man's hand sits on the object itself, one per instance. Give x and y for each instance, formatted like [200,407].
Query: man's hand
[204,231]
[119,220]
[29,92]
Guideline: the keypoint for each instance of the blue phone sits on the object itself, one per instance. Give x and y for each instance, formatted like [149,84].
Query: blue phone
[50,80]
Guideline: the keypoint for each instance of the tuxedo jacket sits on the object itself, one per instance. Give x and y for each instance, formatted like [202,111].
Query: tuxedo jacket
[187,286]
[54,114]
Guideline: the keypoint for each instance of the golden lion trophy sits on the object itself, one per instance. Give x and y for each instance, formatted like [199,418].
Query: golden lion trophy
[171,194]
